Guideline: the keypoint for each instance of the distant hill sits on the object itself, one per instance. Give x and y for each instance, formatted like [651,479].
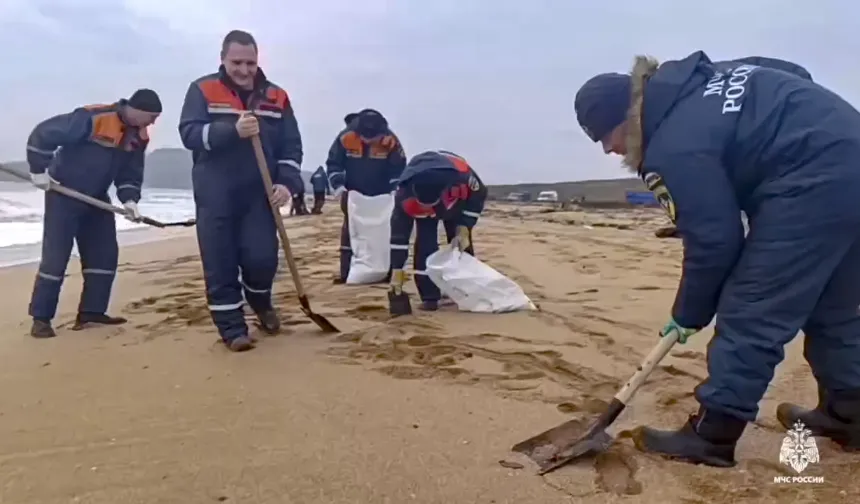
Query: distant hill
[167,168]
[170,168]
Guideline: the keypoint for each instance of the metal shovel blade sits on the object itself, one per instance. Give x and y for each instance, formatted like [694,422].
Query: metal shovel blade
[398,304]
[316,318]
[571,440]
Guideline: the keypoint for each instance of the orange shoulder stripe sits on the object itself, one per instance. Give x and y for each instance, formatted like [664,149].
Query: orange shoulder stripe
[459,163]
[279,96]
[107,129]
[217,94]
[351,141]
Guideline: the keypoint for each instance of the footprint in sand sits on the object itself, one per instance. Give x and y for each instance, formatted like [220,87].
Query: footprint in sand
[616,470]
[370,312]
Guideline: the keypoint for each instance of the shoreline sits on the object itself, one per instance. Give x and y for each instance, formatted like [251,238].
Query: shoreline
[30,253]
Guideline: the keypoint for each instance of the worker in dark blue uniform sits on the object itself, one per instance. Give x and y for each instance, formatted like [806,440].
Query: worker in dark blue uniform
[366,157]
[235,228]
[755,135]
[319,181]
[86,150]
[435,186]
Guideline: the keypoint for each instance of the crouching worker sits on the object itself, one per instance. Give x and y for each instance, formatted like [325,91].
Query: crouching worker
[435,186]
[754,135]
[86,150]
[236,231]
[319,182]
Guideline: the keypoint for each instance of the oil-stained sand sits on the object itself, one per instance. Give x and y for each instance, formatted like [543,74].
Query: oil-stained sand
[415,409]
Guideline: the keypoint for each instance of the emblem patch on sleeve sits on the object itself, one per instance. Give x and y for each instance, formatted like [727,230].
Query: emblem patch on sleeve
[473,183]
[655,184]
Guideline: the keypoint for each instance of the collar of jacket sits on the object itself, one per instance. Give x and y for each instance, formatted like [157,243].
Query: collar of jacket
[644,67]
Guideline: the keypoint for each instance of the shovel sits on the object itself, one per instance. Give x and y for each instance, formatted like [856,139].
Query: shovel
[398,303]
[318,319]
[71,193]
[565,443]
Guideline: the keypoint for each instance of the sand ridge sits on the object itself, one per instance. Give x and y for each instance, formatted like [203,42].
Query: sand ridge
[415,409]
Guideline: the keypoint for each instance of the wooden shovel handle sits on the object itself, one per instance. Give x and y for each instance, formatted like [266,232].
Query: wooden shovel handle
[276,213]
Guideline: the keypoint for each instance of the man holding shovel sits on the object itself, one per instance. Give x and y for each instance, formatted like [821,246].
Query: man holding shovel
[713,139]
[236,230]
[86,150]
[435,186]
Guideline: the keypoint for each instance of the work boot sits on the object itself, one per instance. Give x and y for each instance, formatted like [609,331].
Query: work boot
[85,318]
[42,329]
[240,344]
[837,416]
[269,322]
[429,305]
[707,438]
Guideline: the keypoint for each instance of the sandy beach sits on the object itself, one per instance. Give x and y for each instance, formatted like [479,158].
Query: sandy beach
[419,409]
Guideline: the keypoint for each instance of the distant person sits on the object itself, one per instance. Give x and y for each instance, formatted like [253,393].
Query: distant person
[87,150]
[366,157]
[298,205]
[436,186]
[713,139]
[319,181]
[235,228]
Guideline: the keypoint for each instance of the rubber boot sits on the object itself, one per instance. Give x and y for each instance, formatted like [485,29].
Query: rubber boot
[429,305]
[269,322]
[707,438]
[837,416]
[42,329]
[85,318]
[240,344]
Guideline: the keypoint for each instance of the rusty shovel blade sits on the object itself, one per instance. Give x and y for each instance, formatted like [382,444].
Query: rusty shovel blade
[570,440]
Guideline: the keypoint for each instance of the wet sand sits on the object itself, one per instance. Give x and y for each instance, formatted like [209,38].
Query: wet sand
[419,409]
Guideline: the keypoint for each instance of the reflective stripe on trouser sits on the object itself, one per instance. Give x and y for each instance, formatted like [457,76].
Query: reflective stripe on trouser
[232,246]
[67,221]
[345,245]
[427,242]
[782,284]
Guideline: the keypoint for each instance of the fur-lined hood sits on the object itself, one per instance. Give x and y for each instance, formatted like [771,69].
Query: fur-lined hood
[643,68]
[677,79]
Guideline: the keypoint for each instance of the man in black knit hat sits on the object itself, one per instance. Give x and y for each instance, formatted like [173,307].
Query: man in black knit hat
[87,150]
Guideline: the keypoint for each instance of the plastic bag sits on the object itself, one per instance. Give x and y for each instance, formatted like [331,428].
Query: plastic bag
[473,285]
[369,235]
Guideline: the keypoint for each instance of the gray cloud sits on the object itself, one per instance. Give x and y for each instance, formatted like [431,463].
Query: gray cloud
[490,79]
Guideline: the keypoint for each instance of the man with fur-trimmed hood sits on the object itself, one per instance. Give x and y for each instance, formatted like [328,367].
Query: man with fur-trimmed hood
[754,135]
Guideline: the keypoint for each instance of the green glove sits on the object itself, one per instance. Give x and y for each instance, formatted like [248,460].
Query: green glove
[683,332]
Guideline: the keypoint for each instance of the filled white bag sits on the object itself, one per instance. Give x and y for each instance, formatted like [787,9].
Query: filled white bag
[473,285]
[369,236]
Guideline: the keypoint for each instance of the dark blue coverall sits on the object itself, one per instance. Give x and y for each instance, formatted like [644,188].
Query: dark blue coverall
[371,169]
[86,150]
[721,138]
[459,195]
[235,229]
[319,182]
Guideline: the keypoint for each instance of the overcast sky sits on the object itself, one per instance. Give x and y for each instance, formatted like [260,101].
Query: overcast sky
[493,80]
